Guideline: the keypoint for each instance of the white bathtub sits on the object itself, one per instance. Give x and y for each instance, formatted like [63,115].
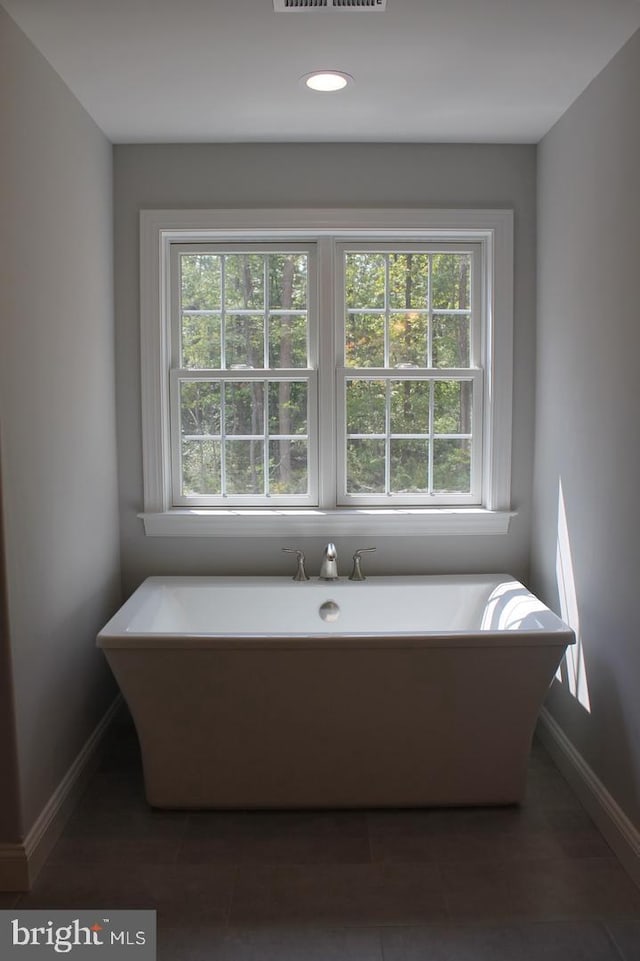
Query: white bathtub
[423,690]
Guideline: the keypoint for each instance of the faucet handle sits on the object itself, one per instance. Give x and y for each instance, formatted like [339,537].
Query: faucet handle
[300,574]
[356,574]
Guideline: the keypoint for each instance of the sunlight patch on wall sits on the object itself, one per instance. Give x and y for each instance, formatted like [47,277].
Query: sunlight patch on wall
[572,672]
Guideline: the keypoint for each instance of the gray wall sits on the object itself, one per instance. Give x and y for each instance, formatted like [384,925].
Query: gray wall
[319,175]
[57,413]
[588,411]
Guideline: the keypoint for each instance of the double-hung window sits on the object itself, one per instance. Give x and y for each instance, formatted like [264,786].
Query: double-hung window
[326,371]
[410,380]
[243,389]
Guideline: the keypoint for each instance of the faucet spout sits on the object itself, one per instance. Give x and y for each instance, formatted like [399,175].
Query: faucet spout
[329,566]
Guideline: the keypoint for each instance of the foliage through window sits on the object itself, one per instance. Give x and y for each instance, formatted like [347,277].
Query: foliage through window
[412,428]
[244,384]
[291,364]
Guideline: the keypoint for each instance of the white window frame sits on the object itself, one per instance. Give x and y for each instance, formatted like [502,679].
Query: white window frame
[491,229]
[473,373]
[178,375]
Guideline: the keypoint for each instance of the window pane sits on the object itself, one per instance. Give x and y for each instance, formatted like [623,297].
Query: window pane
[244,466]
[408,339]
[364,340]
[409,466]
[409,280]
[410,407]
[452,407]
[287,340]
[451,281]
[201,340]
[288,473]
[244,340]
[244,281]
[452,466]
[244,408]
[199,407]
[365,467]
[451,340]
[366,404]
[403,308]
[288,281]
[365,280]
[200,467]
[200,281]
[288,407]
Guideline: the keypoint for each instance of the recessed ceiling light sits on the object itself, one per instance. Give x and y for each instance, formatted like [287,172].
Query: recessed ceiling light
[327,80]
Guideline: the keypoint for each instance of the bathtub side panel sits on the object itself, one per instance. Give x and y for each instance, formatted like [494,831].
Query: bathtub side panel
[334,728]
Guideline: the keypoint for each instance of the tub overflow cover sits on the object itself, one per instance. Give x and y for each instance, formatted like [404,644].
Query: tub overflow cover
[329,611]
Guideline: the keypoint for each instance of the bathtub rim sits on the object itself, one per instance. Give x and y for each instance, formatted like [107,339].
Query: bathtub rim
[116,636]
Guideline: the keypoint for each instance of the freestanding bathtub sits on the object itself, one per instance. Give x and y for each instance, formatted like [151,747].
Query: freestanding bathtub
[400,691]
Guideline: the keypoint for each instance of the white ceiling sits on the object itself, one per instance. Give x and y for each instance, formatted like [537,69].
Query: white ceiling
[228,70]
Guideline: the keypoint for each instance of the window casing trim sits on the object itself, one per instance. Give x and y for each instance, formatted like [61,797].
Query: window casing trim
[492,229]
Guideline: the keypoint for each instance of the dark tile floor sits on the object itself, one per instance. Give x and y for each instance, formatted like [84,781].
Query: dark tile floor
[505,884]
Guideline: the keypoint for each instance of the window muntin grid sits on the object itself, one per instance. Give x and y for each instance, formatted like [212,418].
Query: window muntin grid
[242,308]
[432,458]
[243,404]
[248,314]
[232,442]
[411,317]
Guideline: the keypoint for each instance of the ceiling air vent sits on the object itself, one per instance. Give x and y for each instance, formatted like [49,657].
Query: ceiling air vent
[362,6]
[358,4]
[288,6]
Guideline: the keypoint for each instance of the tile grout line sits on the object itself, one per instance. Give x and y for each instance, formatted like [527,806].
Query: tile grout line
[181,839]
[445,900]
[383,955]
[612,940]
[232,893]
[369,839]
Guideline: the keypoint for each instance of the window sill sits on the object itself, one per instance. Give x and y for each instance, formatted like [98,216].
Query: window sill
[378,522]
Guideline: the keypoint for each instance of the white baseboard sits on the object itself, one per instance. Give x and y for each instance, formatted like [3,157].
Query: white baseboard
[614,825]
[21,862]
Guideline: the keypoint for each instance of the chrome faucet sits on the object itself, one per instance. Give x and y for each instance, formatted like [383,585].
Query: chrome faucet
[329,566]
[356,574]
[300,574]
